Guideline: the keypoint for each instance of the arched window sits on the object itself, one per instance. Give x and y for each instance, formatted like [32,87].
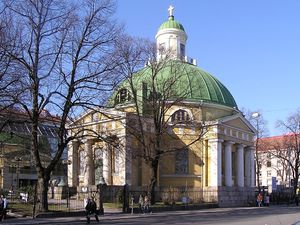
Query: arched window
[180,116]
[122,96]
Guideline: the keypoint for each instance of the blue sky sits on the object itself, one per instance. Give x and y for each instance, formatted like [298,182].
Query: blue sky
[251,46]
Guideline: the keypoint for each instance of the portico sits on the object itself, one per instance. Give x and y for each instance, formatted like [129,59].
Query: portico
[224,175]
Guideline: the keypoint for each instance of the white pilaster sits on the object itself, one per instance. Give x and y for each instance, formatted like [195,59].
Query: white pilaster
[240,165]
[228,163]
[89,163]
[73,167]
[215,162]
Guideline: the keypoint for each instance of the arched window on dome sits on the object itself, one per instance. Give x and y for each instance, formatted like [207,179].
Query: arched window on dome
[122,96]
[180,116]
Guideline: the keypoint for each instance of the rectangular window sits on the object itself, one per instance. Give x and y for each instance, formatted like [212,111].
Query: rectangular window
[182,50]
[162,48]
[278,172]
[269,173]
[181,161]
[269,164]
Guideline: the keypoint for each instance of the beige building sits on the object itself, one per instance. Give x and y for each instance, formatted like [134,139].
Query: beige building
[221,159]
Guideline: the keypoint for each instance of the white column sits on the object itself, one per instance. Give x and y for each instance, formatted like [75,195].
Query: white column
[73,168]
[228,163]
[107,164]
[240,165]
[247,166]
[215,162]
[252,167]
[89,163]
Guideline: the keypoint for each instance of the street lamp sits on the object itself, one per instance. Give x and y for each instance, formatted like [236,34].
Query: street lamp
[18,160]
[256,116]
[67,162]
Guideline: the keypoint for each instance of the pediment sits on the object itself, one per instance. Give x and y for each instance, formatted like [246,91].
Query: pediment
[239,122]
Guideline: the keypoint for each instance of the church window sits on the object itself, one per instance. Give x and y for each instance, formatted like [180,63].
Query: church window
[161,48]
[180,116]
[122,96]
[181,161]
[182,50]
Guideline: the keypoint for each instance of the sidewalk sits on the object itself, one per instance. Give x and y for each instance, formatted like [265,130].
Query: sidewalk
[119,217]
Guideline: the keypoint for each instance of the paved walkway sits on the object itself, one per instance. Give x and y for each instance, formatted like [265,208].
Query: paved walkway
[274,215]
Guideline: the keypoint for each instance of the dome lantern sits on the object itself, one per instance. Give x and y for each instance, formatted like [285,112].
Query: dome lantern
[171,38]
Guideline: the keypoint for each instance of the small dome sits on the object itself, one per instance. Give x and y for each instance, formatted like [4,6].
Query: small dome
[171,24]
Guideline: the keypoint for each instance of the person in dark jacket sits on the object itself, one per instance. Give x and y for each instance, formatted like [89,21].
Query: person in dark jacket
[91,210]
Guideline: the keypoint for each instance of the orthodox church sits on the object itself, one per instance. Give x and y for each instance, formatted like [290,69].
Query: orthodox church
[221,161]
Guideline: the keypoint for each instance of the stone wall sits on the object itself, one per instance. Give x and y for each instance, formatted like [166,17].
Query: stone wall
[236,196]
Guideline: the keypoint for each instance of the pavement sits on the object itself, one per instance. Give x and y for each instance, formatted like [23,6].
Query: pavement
[281,215]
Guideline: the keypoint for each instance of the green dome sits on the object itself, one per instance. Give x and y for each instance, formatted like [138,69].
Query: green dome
[171,23]
[188,83]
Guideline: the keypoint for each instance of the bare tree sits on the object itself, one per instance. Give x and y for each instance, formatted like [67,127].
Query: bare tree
[288,149]
[63,51]
[154,94]
[257,120]
[11,86]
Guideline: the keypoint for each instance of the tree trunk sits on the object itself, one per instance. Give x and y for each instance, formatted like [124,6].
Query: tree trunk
[153,181]
[42,192]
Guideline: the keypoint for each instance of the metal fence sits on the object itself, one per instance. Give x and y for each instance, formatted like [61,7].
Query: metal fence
[114,198]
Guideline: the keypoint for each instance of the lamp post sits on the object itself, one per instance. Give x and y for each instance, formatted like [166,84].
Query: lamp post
[67,162]
[256,116]
[18,160]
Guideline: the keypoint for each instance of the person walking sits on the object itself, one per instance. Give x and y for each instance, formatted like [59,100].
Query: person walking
[141,204]
[91,210]
[267,200]
[259,200]
[147,204]
[2,213]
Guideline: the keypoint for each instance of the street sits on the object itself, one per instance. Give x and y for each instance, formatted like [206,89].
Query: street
[274,215]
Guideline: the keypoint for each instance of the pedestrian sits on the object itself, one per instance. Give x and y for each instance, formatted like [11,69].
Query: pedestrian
[147,204]
[2,213]
[91,209]
[141,204]
[259,200]
[267,200]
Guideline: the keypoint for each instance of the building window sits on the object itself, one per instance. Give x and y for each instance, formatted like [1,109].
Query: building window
[269,164]
[122,96]
[182,50]
[181,161]
[180,116]
[161,48]
[269,173]
[278,172]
